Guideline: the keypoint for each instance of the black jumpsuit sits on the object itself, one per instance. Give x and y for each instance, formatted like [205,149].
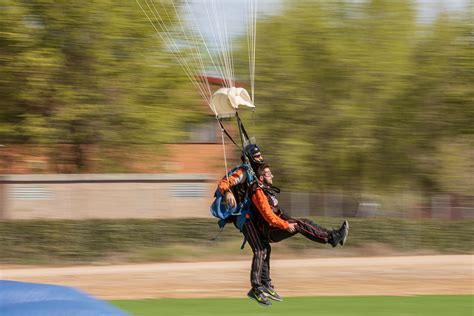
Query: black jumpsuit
[260,234]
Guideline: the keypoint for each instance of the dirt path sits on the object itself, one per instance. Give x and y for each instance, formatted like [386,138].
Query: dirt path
[328,276]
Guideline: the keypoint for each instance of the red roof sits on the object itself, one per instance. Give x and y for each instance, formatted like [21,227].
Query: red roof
[219,81]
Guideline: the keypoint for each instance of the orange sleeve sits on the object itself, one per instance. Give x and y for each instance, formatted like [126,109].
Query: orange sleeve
[237,177]
[261,202]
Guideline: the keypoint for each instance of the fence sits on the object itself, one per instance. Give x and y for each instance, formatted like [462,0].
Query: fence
[395,204]
[84,196]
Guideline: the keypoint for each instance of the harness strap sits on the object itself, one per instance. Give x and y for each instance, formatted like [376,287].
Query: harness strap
[227,133]
[243,243]
[242,128]
[221,228]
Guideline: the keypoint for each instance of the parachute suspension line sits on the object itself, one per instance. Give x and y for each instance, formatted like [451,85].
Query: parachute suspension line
[225,58]
[199,40]
[213,22]
[231,58]
[241,136]
[251,45]
[164,34]
[223,148]
[196,28]
[251,42]
[220,36]
[244,137]
[182,36]
[228,51]
[254,17]
[195,51]
[253,122]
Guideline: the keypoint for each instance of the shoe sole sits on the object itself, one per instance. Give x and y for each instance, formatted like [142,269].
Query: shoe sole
[259,303]
[346,231]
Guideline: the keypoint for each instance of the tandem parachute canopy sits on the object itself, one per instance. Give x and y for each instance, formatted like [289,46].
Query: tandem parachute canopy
[226,101]
[202,55]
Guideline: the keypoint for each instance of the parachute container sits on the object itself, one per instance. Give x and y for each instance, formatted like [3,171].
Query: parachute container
[226,101]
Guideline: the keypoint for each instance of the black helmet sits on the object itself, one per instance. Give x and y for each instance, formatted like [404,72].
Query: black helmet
[250,151]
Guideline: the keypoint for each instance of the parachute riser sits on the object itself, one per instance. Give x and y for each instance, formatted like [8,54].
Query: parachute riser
[245,140]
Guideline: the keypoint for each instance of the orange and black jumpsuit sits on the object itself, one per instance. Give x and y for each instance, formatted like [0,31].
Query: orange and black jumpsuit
[267,224]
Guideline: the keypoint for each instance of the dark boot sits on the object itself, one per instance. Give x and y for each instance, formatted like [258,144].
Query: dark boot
[339,236]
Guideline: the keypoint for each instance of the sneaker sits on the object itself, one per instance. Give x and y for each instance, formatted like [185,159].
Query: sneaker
[345,227]
[270,292]
[340,236]
[259,296]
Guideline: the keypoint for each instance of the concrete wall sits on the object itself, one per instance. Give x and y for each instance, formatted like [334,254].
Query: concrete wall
[84,196]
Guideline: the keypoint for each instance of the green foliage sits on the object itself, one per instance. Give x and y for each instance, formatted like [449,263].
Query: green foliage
[424,305]
[88,72]
[363,97]
[163,240]
[360,95]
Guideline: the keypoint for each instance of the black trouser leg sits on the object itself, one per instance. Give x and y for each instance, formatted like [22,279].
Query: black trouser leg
[266,280]
[259,249]
[305,227]
[312,231]
[276,234]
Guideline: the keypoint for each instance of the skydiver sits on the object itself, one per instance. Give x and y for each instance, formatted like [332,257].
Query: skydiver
[265,222]
[268,224]
[235,186]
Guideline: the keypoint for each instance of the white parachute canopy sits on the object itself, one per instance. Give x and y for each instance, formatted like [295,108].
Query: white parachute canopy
[179,23]
[226,101]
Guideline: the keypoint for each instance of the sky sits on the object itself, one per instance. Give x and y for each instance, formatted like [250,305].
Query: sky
[235,11]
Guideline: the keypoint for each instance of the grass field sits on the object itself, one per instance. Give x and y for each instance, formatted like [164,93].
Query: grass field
[459,305]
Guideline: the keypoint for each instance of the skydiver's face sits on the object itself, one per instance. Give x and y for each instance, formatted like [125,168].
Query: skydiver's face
[258,157]
[267,177]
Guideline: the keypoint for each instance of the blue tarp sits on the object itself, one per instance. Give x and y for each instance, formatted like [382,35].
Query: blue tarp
[31,299]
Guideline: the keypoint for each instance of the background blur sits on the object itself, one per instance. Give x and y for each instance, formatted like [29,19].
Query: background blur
[364,110]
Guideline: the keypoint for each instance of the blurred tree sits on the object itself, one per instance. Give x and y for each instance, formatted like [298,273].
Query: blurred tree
[331,68]
[88,73]
[358,95]
[436,111]
[351,95]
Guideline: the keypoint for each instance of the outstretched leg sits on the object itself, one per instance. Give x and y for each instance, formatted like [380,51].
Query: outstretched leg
[305,227]
[322,235]
[313,231]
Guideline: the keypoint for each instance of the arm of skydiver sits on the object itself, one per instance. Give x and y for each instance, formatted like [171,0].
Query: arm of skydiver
[260,200]
[237,177]
[224,186]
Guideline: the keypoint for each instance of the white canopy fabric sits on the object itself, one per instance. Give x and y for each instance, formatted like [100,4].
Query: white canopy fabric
[226,101]
[185,40]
